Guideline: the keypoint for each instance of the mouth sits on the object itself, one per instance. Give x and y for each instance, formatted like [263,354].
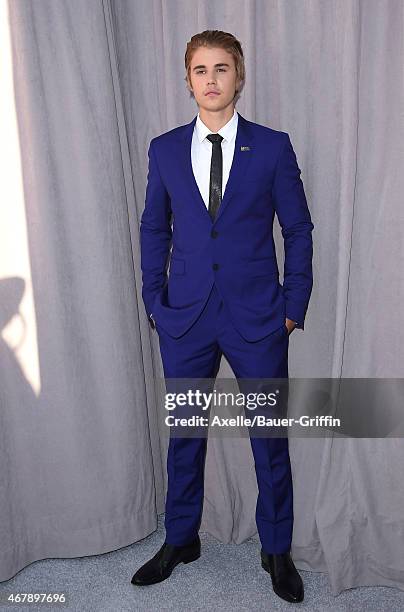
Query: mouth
[212,93]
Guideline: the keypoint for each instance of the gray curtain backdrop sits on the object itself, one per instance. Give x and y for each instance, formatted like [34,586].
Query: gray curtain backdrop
[82,465]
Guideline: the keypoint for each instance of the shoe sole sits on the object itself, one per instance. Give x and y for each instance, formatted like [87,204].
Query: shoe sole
[187,560]
[283,595]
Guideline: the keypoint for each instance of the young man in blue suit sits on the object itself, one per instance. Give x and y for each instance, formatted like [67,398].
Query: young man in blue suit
[214,187]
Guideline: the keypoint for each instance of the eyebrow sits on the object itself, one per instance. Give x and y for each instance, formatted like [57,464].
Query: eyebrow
[215,66]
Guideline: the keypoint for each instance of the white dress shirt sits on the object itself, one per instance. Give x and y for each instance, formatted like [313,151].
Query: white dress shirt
[201,153]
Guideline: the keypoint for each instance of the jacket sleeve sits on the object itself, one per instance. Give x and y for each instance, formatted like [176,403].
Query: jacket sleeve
[290,205]
[155,233]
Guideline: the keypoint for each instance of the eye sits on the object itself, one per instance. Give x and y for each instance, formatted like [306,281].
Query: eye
[219,69]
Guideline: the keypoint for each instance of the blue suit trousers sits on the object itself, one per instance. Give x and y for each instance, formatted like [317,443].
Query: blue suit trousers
[197,354]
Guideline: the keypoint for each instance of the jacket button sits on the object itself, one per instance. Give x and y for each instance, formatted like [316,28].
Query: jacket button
[214,234]
[215,266]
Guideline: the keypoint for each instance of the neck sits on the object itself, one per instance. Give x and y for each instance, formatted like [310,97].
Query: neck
[214,121]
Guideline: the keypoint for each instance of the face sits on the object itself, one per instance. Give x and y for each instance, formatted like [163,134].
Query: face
[213,69]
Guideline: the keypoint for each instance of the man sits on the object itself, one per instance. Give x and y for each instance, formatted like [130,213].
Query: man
[223,178]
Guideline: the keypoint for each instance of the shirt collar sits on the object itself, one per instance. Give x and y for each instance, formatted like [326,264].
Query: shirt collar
[228,131]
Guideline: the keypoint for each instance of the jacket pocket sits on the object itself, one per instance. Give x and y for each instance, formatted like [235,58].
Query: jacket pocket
[262,267]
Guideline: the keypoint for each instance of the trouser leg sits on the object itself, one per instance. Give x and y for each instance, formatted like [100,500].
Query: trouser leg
[266,358]
[196,354]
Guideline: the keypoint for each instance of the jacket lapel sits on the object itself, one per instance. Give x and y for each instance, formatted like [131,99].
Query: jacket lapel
[243,150]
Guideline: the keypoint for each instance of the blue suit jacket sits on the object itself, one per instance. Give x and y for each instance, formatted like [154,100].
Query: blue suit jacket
[237,250]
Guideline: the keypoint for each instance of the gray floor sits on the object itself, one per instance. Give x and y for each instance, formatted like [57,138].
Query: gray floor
[225,578]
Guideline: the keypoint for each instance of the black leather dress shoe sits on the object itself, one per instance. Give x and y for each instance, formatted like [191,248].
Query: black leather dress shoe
[286,580]
[162,564]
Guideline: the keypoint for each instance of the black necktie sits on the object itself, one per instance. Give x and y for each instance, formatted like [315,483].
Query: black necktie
[216,169]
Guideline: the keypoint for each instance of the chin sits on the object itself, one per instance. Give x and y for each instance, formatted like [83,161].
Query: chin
[219,104]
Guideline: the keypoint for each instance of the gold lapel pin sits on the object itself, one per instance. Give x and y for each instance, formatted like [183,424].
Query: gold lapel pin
[244,148]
